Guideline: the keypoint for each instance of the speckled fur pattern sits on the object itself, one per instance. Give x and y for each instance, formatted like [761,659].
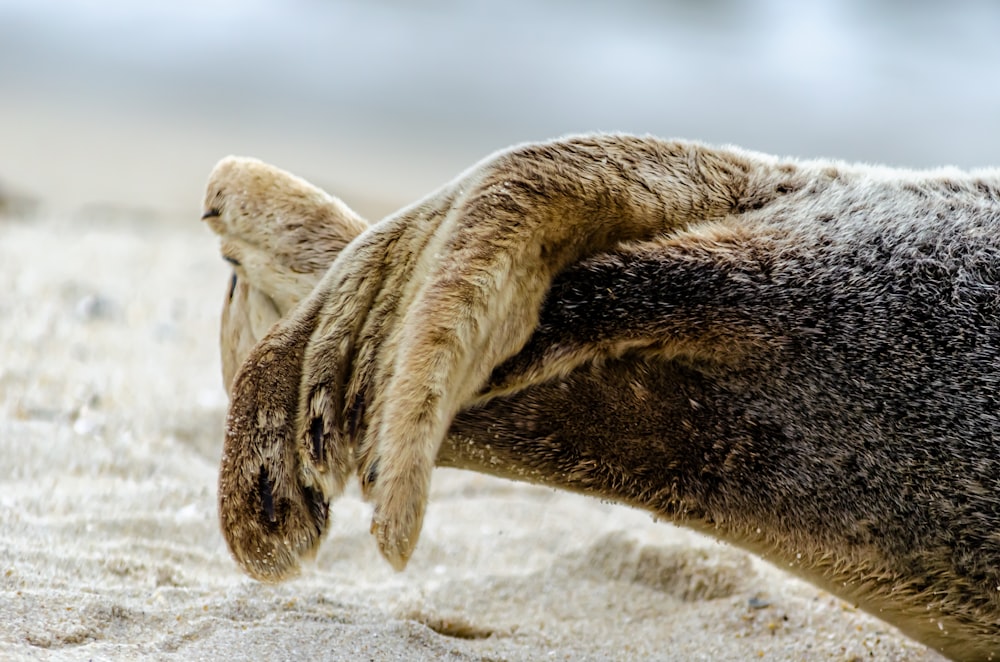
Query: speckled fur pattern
[797,357]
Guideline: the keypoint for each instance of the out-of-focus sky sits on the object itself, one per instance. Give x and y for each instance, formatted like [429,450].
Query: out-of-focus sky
[388,98]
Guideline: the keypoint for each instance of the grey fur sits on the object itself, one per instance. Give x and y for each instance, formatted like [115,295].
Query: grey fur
[810,373]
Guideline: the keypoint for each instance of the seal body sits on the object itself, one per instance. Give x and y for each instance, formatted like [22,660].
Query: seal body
[798,357]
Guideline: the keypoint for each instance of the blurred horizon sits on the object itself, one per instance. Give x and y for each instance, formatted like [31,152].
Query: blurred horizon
[386,100]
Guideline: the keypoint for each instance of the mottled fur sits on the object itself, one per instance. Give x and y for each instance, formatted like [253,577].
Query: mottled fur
[798,357]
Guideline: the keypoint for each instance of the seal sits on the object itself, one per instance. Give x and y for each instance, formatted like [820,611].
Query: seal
[797,357]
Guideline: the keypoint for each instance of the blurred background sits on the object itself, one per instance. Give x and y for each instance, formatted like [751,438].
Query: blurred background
[121,105]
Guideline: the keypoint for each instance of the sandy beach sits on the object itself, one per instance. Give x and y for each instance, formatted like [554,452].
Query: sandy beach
[111,401]
[111,414]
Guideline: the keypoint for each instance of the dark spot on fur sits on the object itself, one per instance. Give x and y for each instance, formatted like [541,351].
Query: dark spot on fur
[986,190]
[316,436]
[231,260]
[265,488]
[753,202]
[232,286]
[824,218]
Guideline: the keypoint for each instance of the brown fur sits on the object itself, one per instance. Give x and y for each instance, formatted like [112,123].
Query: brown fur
[674,369]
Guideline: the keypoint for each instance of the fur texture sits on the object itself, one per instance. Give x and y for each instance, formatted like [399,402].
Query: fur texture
[797,357]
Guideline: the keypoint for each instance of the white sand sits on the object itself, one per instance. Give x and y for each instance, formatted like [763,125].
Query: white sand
[111,413]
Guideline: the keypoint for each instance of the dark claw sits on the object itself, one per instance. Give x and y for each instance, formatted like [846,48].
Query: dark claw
[232,286]
[231,260]
[316,435]
[371,476]
[318,508]
[265,487]
[211,213]
[357,416]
